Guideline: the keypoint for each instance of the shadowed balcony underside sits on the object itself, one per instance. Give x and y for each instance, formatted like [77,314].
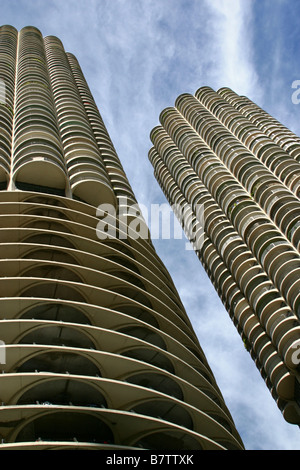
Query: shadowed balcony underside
[95,333]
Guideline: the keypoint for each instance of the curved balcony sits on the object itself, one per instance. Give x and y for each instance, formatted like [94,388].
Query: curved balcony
[41,169]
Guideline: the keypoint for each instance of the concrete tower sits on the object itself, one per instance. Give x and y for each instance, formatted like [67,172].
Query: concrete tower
[236,171]
[96,348]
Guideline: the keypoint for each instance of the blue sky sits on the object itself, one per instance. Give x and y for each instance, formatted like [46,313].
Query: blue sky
[138,56]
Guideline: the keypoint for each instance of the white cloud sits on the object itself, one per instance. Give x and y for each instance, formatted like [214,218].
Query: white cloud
[231,29]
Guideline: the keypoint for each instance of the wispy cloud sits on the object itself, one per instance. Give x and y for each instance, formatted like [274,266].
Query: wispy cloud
[231,24]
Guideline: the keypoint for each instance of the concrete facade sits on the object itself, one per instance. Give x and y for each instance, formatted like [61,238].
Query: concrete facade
[99,351]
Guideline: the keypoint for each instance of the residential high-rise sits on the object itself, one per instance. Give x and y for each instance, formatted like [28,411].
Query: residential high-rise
[96,349]
[236,171]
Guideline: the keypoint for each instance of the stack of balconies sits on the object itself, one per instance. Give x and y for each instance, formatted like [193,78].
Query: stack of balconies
[99,350]
[8,48]
[37,150]
[52,130]
[87,175]
[206,154]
